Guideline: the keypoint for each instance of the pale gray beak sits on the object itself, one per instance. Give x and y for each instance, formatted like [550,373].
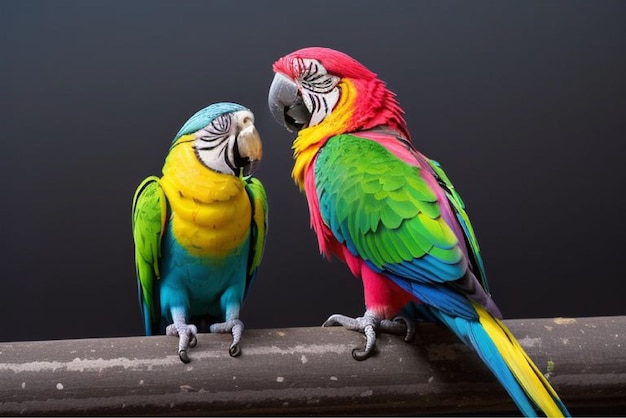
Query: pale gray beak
[248,146]
[286,104]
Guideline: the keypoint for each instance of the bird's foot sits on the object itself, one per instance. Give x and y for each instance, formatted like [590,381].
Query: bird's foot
[187,338]
[234,326]
[407,327]
[369,325]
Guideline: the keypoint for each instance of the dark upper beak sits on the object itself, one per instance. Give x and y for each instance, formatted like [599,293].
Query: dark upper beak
[286,105]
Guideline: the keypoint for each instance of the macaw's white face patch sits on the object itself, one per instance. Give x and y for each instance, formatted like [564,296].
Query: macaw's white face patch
[229,144]
[319,89]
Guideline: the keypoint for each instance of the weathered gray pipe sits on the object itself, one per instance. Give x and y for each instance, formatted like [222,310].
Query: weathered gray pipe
[309,371]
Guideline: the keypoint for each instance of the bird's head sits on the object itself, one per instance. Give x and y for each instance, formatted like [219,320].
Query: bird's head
[224,138]
[310,84]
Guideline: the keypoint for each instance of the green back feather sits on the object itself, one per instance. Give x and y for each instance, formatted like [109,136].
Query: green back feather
[382,208]
[459,207]
[149,213]
[258,200]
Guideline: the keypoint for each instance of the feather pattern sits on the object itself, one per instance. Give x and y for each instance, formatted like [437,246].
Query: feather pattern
[393,216]
[411,244]
[164,263]
[199,234]
[351,175]
[149,213]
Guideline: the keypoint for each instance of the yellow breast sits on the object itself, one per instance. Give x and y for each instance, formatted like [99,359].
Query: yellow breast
[211,211]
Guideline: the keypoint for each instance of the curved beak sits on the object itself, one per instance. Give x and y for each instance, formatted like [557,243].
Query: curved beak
[286,105]
[249,149]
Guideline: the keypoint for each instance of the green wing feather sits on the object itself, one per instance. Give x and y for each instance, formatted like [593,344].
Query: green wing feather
[384,210]
[258,201]
[149,217]
[459,207]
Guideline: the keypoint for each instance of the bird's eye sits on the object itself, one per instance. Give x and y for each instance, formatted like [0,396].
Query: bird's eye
[319,83]
[315,78]
[214,133]
[219,126]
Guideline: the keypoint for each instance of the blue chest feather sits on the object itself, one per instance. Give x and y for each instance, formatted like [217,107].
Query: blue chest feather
[202,284]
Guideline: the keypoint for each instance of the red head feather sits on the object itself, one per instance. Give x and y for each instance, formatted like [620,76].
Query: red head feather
[375,104]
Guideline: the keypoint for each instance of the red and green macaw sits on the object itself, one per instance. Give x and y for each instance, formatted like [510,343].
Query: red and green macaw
[392,215]
[199,230]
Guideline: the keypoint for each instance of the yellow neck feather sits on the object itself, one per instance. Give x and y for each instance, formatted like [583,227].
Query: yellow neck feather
[308,141]
[211,211]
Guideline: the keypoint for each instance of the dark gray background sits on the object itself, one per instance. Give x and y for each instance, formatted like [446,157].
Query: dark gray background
[523,102]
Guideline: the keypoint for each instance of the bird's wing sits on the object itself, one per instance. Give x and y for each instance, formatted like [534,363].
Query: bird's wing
[458,206]
[258,233]
[148,223]
[392,214]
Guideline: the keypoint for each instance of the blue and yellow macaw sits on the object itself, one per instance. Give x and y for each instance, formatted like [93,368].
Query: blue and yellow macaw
[199,230]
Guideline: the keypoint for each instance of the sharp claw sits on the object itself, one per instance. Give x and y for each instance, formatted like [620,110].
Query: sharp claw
[354,324]
[186,339]
[368,324]
[234,350]
[410,327]
[360,355]
[235,327]
[182,354]
[332,321]
[370,343]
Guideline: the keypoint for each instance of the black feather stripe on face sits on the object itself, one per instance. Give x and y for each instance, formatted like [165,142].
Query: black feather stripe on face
[229,158]
[215,146]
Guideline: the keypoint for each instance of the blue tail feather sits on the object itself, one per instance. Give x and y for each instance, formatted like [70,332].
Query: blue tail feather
[472,333]
[147,323]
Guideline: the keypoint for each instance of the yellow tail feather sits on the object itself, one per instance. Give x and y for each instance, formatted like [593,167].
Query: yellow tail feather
[523,368]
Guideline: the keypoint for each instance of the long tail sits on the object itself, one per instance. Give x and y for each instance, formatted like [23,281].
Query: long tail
[508,361]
